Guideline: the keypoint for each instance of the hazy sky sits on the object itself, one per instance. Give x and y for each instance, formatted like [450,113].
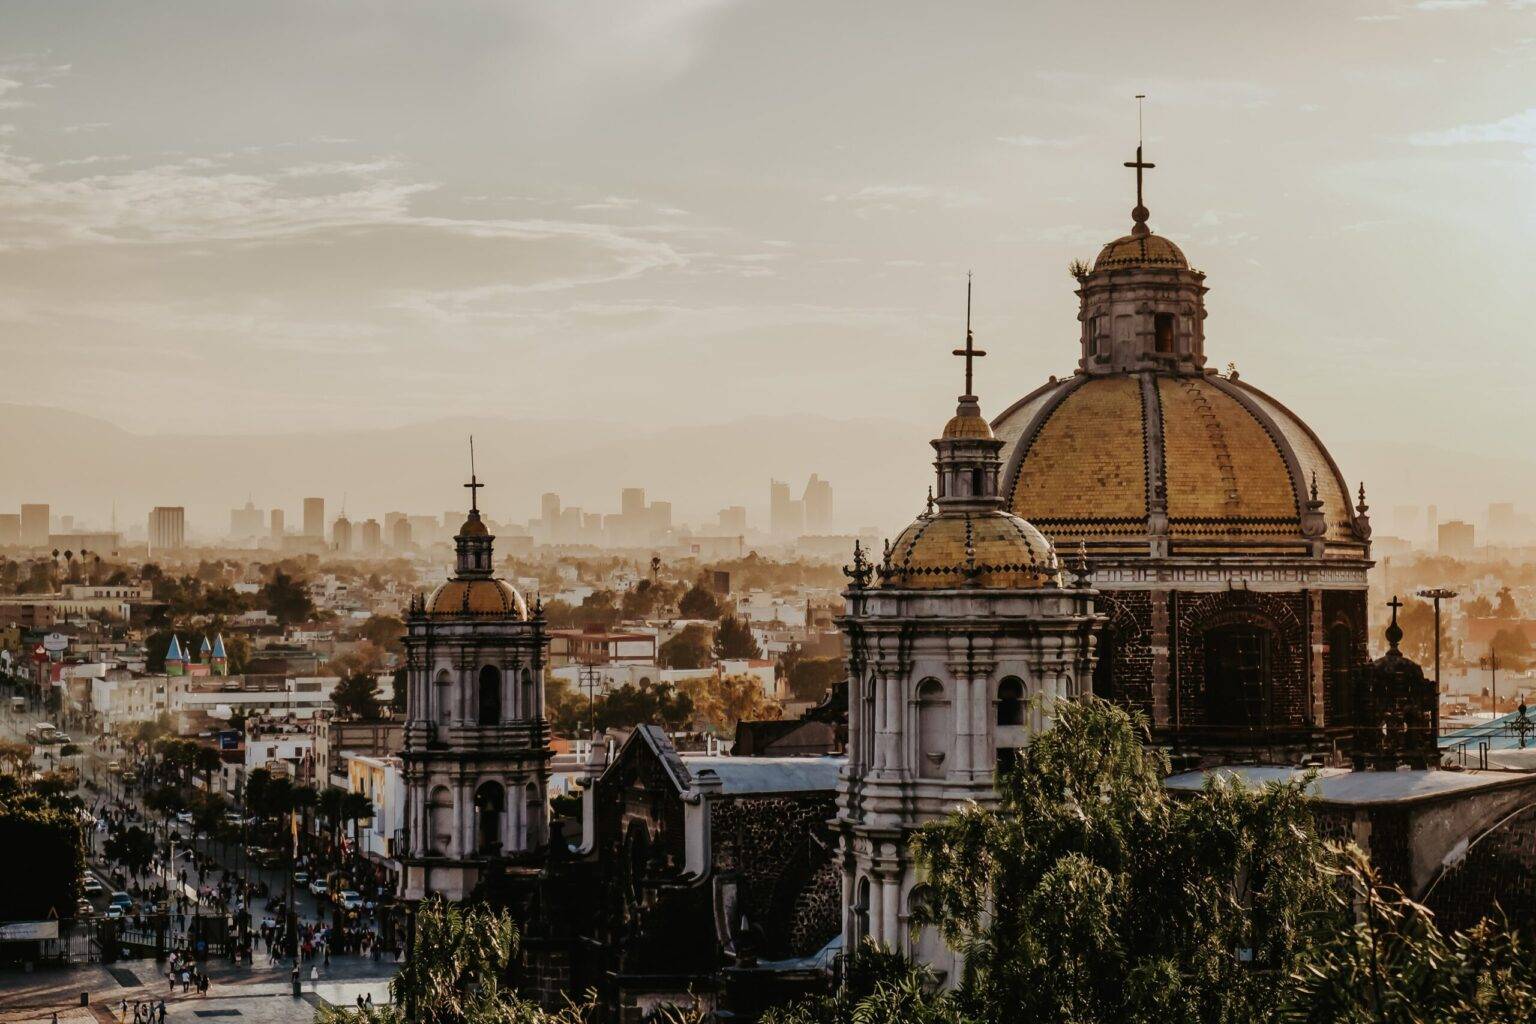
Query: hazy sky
[240,217]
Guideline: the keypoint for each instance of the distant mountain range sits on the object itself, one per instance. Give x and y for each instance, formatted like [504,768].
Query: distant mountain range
[879,468]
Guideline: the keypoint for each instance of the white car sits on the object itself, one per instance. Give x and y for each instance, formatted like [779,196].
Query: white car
[114,913]
[93,888]
[318,887]
[350,900]
[185,817]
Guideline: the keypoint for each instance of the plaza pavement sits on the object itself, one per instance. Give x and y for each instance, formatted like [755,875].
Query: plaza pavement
[236,995]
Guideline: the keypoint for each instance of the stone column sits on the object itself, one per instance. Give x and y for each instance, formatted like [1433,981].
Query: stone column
[1316,685]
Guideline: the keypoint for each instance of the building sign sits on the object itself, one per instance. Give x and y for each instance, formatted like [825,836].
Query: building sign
[28,931]
[55,642]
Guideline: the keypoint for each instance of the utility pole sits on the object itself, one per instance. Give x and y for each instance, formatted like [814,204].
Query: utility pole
[1437,594]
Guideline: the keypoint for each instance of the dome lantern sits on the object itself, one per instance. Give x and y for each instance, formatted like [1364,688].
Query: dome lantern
[1141,305]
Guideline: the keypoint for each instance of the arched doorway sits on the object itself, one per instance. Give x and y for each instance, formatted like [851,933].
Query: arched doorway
[490,695]
[1238,668]
[933,729]
[860,911]
[490,805]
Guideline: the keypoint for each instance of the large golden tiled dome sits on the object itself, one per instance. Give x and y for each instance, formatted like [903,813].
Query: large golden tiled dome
[483,596]
[1102,459]
[1145,250]
[990,549]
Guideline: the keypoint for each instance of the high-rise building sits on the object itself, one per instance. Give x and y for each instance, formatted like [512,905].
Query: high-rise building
[632,503]
[392,520]
[370,536]
[400,533]
[10,529]
[661,518]
[786,516]
[1455,538]
[314,517]
[424,529]
[733,520]
[277,523]
[818,505]
[34,525]
[1432,523]
[167,528]
[245,522]
[549,508]
[1503,524]
[341,535]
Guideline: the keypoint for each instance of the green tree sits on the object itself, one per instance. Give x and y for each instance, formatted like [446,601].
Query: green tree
[132,847]
[721,703]
[699,603]
[688,649]
[1088,894]
[811,678]
[1507,608]
[385,632]
[357,695]
[287,599]
[1512,646]
[44,851]
[733,639]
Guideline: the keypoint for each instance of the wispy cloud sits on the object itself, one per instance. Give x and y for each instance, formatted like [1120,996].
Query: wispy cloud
[1041,141]
[1519,129]
[1449,5]
[90,126]
[873,199]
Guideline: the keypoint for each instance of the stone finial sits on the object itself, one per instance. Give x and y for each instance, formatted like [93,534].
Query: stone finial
[1394,631]
[860,571]
[1082,572]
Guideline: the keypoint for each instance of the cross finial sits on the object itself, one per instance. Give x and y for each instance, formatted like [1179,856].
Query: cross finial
[473,485]
[970,352]
[1139,214]
[1394,631]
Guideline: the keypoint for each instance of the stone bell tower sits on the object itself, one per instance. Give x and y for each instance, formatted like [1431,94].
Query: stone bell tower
[476,759]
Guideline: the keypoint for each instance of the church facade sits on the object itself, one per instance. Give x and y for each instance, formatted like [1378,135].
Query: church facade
[1228,550]
[476,758]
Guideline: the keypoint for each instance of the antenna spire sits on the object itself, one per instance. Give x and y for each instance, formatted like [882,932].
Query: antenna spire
[473,485]
[970,352]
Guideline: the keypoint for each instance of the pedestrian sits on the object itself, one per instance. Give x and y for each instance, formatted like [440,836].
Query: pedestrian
[162,1011]
[368,1001]
[359,1007]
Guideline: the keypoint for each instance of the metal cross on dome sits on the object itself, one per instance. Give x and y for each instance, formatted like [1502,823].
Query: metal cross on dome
[970,352]
[473,485]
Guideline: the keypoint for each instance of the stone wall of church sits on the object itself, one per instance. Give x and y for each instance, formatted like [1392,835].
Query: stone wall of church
[1127,638]
[781,851]
[1195,615]
[1499,870]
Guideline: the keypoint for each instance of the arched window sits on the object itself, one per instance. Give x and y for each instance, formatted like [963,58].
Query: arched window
[440,822]
[1237,676]
[490,804]
[934,734]
[533,816]
[490,695]
[1010,701]
[860,910]
[1341,673]
[443,697]
[529,710]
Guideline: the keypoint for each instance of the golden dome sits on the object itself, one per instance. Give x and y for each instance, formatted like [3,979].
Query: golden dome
[1087,458]
[485,596]
[962,426]
[1140,251]
[950,550]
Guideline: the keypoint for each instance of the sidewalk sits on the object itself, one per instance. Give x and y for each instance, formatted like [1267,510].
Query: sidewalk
[256,995]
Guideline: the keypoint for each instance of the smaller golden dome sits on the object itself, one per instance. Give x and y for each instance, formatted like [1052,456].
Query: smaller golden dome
[488,597]
[1135,250]
[962,426]
[473,527]
[992,549]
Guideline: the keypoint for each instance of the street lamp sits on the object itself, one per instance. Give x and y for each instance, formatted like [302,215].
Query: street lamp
[1437,594]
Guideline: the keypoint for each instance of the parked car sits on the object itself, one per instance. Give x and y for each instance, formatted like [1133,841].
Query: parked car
[114,767]
[318,887]
[121,899]
[114,913]
[83,908]
[301,878]
[93,887]
[349,899]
